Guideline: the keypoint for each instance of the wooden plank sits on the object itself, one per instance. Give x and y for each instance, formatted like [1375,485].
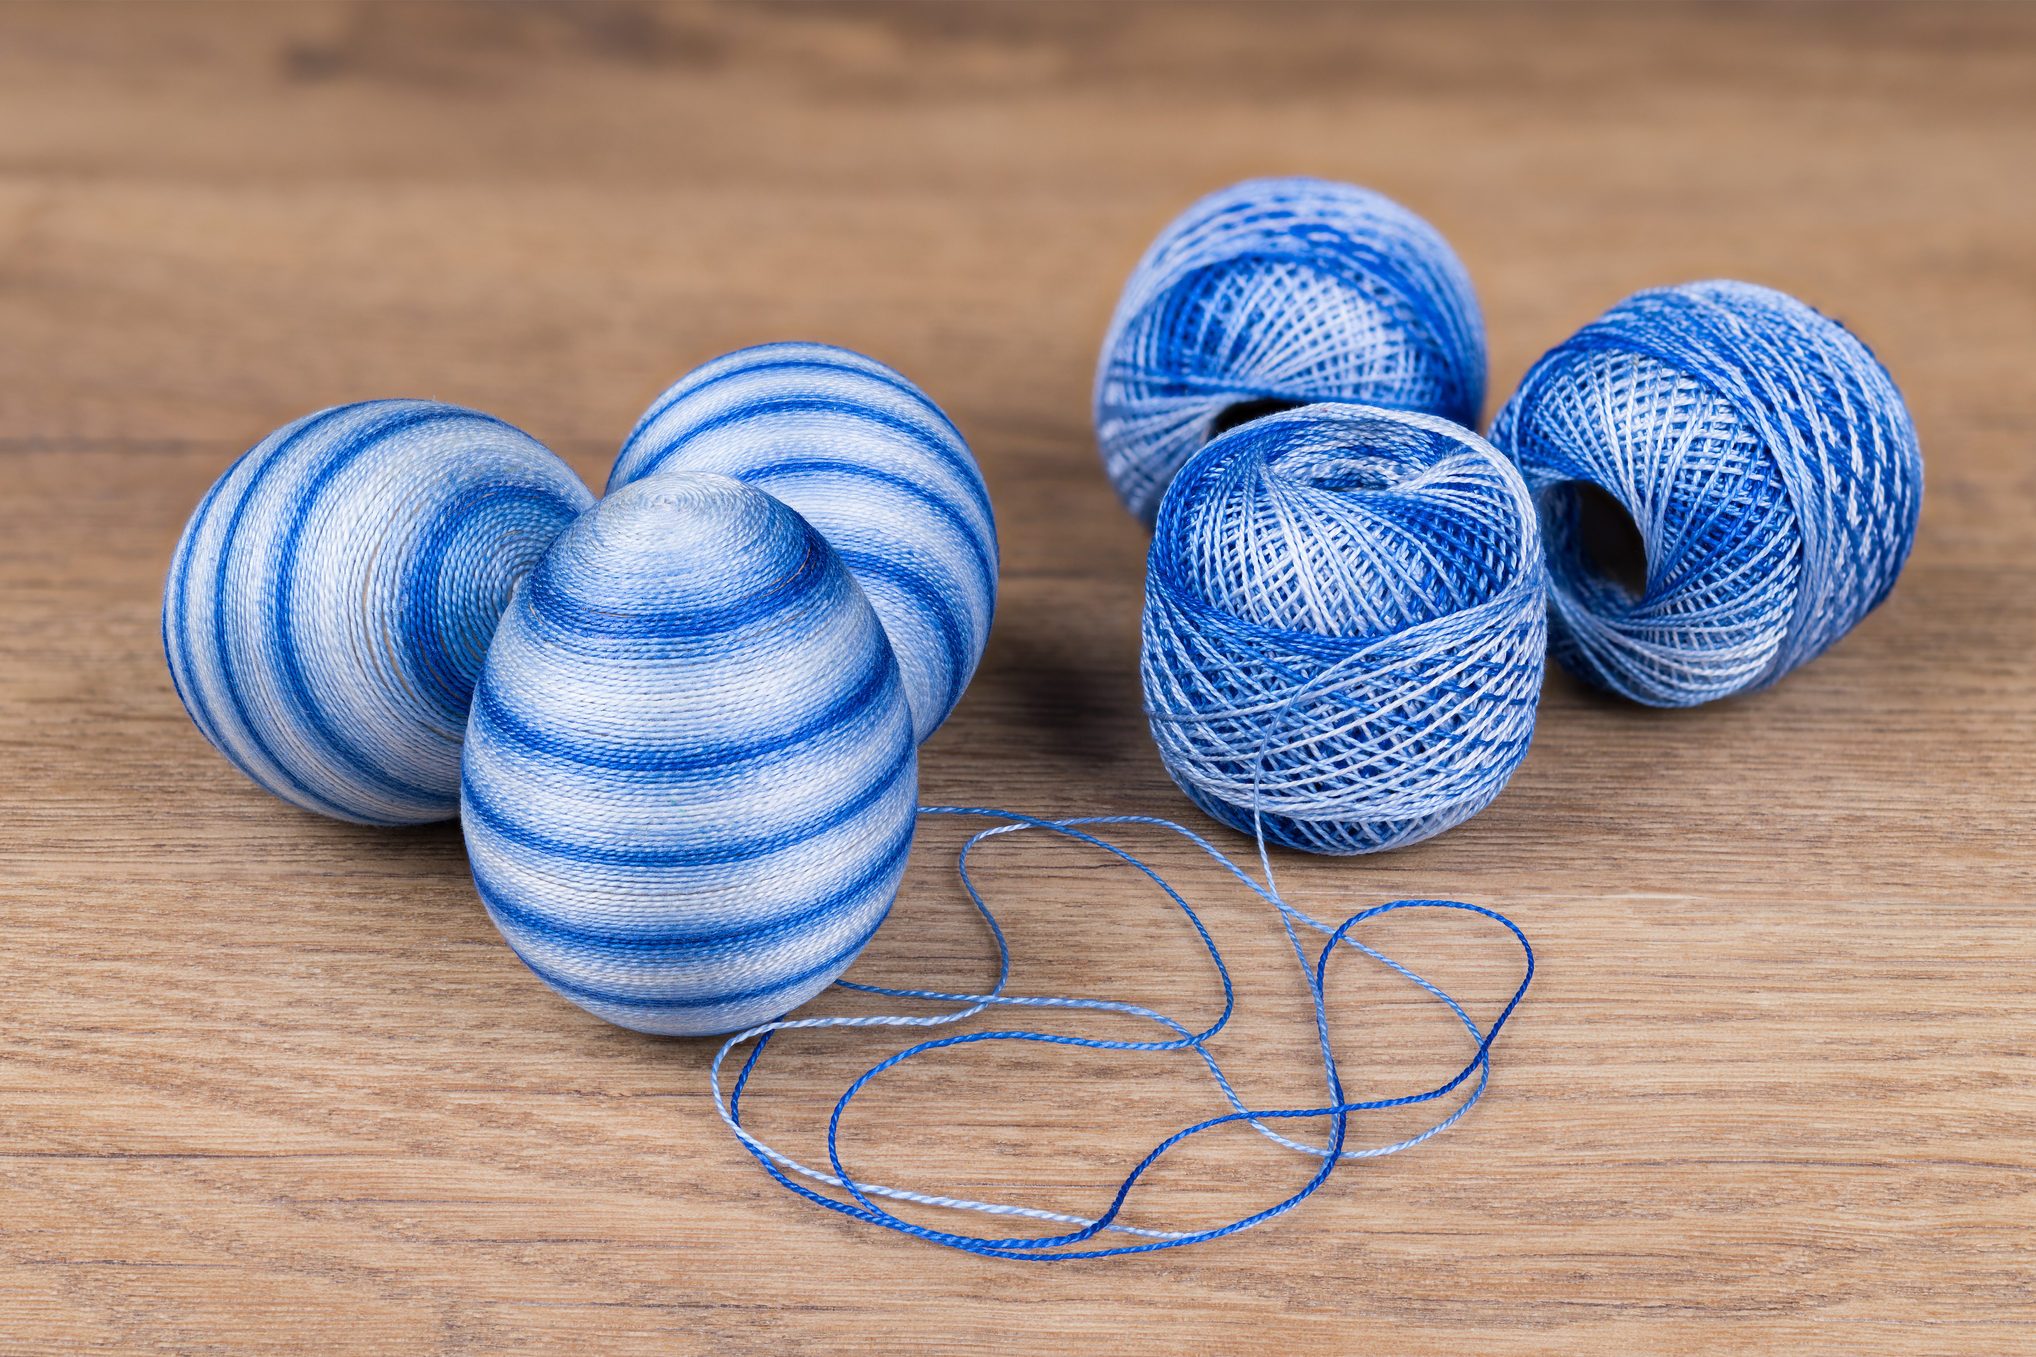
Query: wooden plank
[272,1084]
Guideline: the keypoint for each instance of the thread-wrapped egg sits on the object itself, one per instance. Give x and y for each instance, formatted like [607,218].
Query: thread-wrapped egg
[331,600]
[690,780]
[1343,627]
[873,464]
[1275,293]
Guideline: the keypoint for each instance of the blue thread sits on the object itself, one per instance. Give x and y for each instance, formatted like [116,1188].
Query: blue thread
[1282,292]
[862,1205]
[1767,461]
[332,596]
[1344,627]
[874,465]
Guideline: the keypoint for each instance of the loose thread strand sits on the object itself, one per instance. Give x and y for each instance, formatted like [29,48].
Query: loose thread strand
[863,1198]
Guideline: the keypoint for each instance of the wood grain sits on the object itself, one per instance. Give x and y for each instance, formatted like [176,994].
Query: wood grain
[271,1084]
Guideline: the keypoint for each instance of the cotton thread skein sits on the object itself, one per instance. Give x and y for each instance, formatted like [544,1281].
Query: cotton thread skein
[1767,461]
[1274,293]
[1344,627]
[869,460]
[690,781]
[331,599]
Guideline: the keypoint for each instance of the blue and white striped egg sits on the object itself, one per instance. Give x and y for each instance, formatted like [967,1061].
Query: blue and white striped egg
[332,598]
[690,779]
[872,463]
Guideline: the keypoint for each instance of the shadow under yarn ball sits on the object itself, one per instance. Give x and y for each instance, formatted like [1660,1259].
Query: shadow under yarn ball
[1344,627]
[332,598]
[1754,456]
[1275,293]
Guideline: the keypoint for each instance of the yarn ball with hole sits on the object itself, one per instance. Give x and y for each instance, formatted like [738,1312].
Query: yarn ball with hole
[690,780]
[1764,457]
[331,600]
[1275,293]
[865,457]
[1344,627]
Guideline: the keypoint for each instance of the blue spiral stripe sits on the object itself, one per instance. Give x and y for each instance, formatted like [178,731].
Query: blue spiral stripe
[335,746]
[856,701]
[271,772]
[735,940]
[964,533]
[874,465]
[765,410]
[176,605]
[816,358]
[449,679]
[936,608]
[315,589]
[484,811]
[594,619]
[802,981]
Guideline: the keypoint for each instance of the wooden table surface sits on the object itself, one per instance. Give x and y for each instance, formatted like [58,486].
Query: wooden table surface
[270,1083]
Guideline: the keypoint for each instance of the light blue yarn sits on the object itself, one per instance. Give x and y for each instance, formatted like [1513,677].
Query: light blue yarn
[1281,291]
[1768,462]
[1344,627]
[872,463]
[862,1203]
[690,777]
[332,597]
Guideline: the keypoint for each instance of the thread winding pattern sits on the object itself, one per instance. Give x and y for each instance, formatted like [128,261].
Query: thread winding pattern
[330,601]
[1344,627]
[1764,455]
[871,463]
[690,778]
[1282,291]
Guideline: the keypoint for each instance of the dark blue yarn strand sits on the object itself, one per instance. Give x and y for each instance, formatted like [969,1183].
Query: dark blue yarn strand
[1337,1109]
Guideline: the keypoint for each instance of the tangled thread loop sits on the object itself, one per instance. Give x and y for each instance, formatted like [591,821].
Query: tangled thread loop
[871,1203]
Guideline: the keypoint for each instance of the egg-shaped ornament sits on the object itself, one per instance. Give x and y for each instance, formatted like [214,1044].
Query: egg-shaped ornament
[333,595]
[690,778]
[870,461]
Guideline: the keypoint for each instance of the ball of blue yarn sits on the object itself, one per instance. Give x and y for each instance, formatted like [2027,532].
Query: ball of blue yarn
[1275,293]
[331,600]
[1767,462]
[690,781]
[873,464]
[1344,627]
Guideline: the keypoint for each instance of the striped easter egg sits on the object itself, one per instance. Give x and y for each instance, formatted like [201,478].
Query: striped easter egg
[690,779]
[869,461]
[332,598]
